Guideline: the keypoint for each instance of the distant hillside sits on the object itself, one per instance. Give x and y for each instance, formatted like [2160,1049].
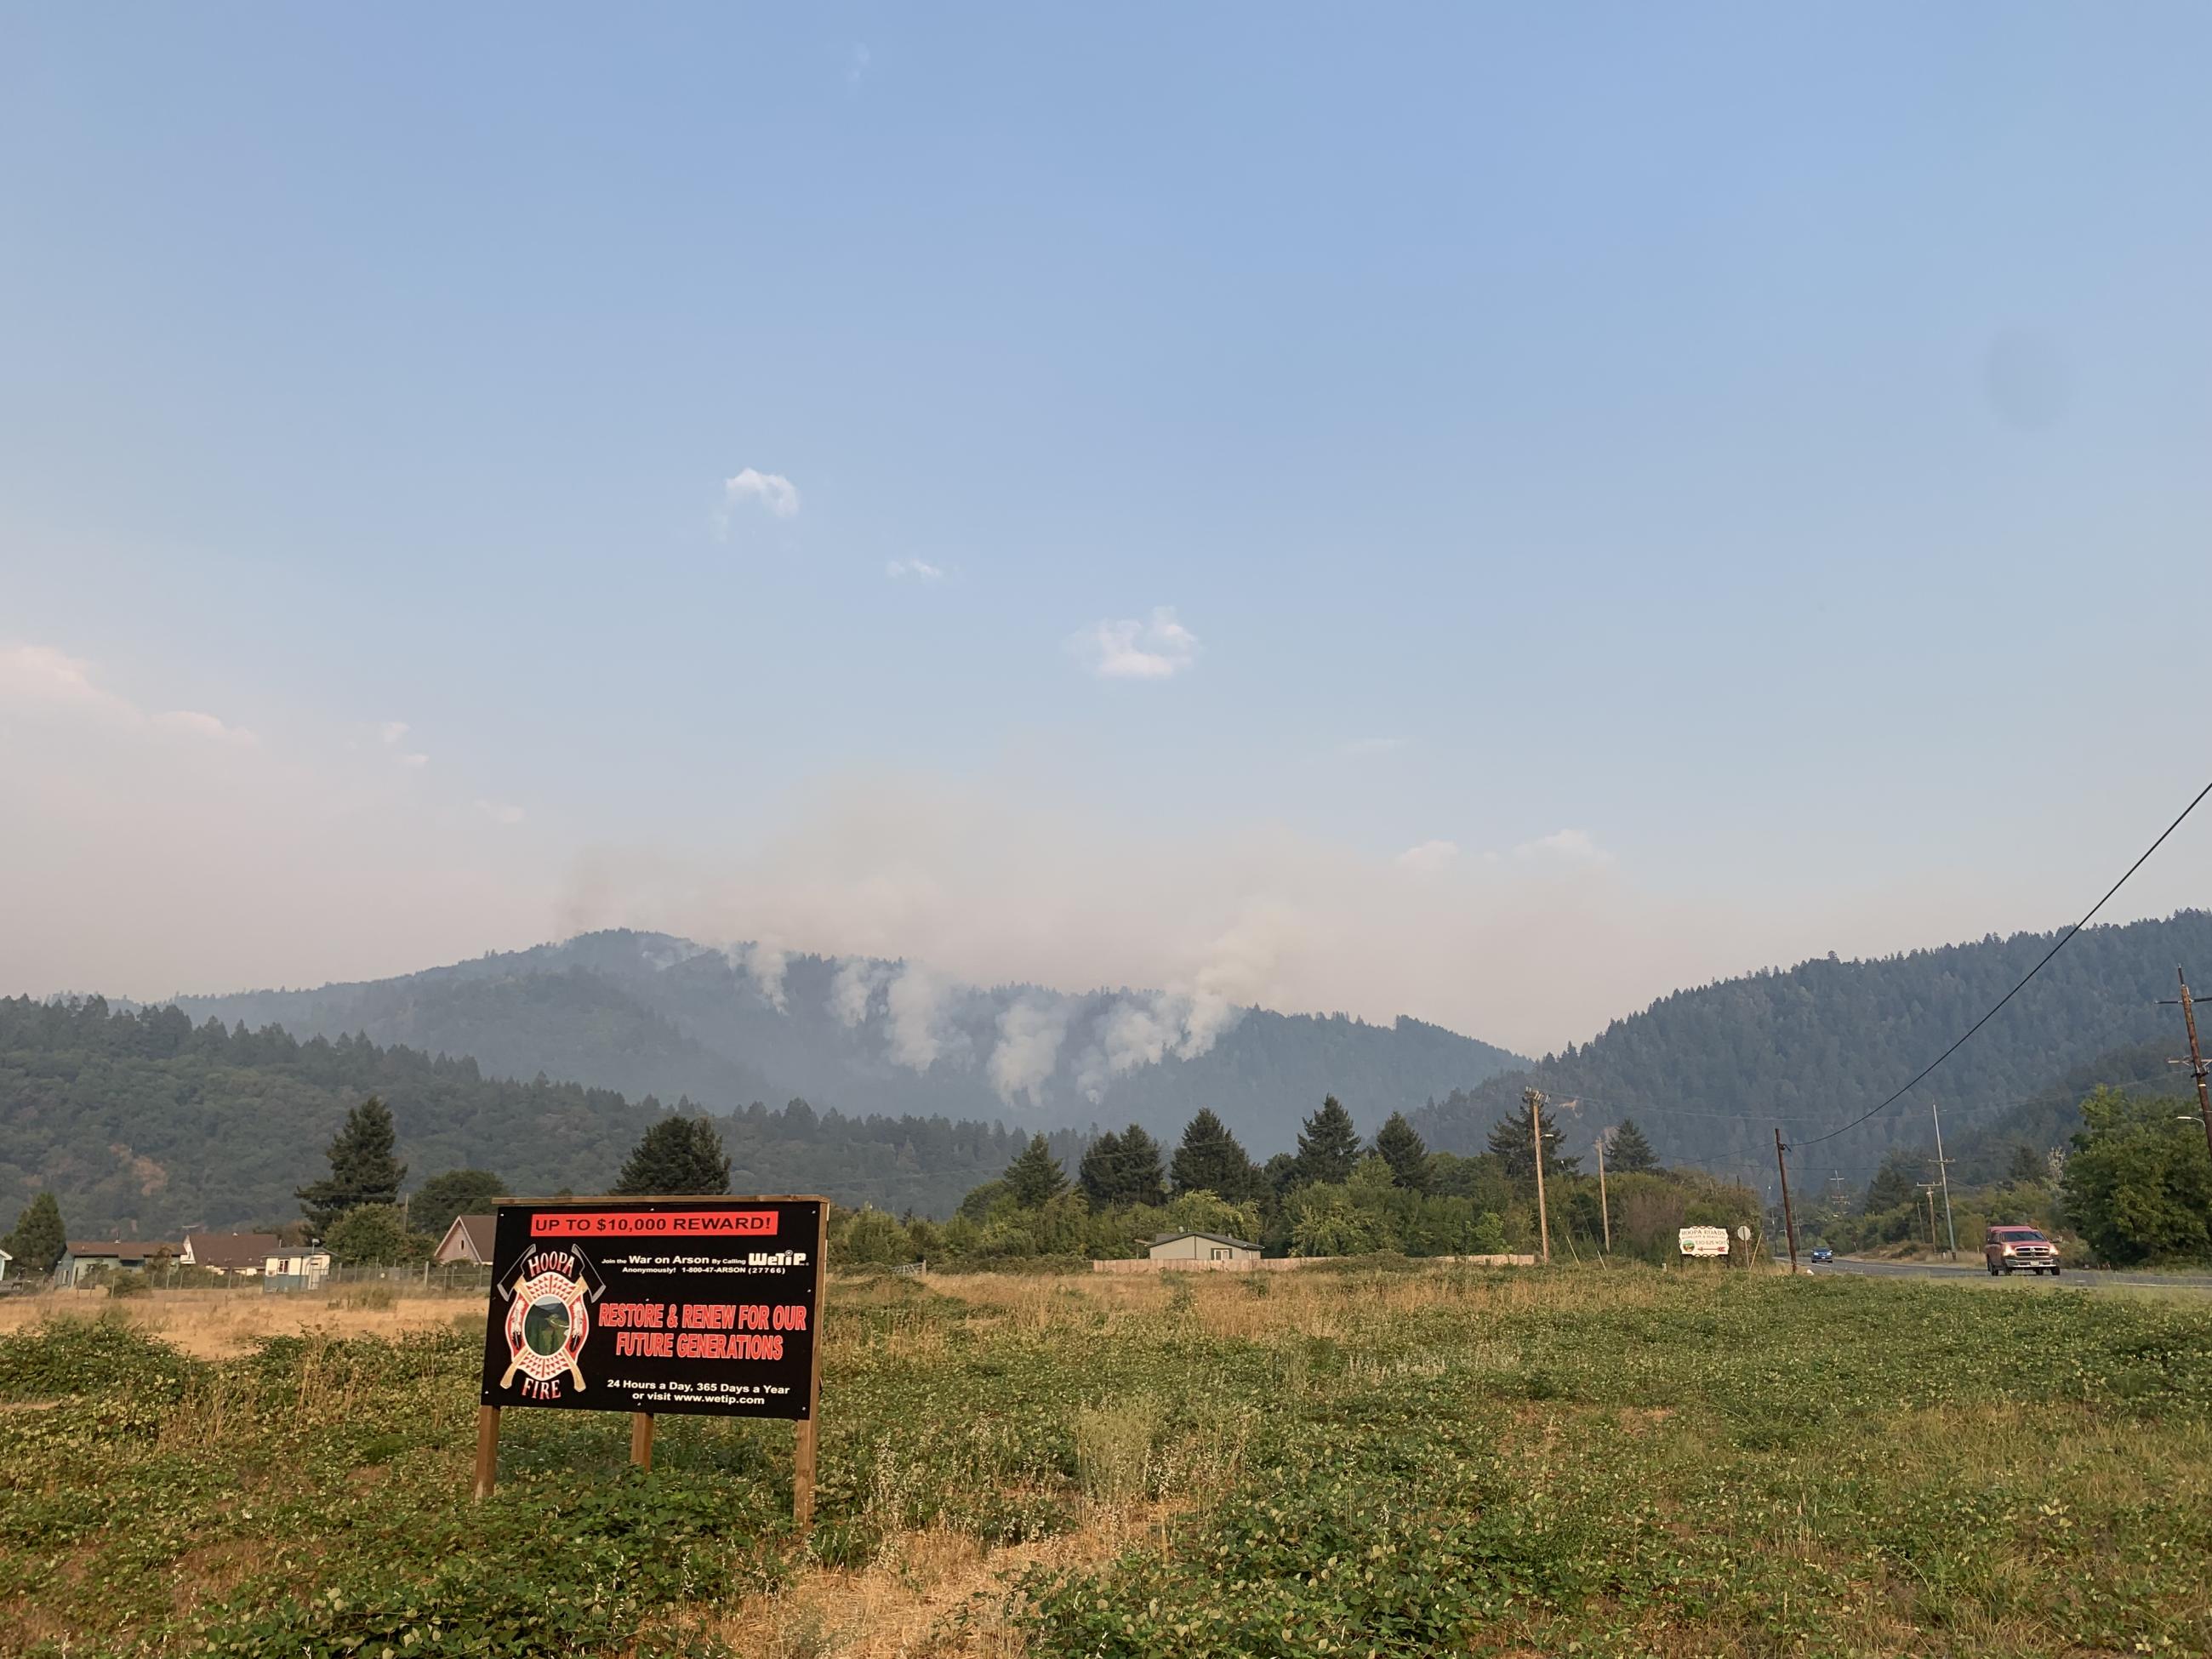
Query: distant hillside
[1708,1073]
[646,1013]
[142,1123]
[2049,1117]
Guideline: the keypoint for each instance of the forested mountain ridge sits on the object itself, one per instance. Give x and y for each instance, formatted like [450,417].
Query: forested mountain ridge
[648,1012]
[564,1020]
[1709,1072]
[142,1122]
[2048,1118]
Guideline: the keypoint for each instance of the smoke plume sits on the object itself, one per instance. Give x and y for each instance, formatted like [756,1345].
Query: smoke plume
[853,989]
[765,963]
[1031,1032]
[920,1002]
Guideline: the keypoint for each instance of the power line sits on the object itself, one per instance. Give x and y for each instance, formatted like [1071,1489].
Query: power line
[2063,940]
[1728,1166]
[1654,1110]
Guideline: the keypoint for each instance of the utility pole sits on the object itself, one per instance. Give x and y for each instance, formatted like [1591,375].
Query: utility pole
[1929,1188]
[1535,1096]
[1943,1169]
[1604,1210]
[2195,1054]
[1789,1222]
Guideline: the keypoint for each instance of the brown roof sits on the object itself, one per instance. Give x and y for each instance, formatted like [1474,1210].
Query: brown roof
[228,1252]
[126,1249]
[468,1238]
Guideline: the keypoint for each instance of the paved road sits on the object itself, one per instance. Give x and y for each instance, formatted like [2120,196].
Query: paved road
[2080,1276]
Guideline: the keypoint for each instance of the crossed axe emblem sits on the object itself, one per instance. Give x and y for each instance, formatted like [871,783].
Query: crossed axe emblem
[575,1294]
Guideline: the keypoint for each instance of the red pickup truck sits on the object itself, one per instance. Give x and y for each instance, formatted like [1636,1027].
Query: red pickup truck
[2015,1249]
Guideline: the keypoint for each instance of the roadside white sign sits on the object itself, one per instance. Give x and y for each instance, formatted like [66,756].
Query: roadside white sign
[1704,1241]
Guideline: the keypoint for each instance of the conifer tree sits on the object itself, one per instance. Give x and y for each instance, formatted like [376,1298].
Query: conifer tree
[677,1155]
[1328,1146]
[38,1239]
[1893,1183]
[1509,1144]
[1099,1173]
[1211,1160]
[1035,1178]
[1144,1180]
[1402,1148]
[1122,1168]
[362,1169]
[1627,1152]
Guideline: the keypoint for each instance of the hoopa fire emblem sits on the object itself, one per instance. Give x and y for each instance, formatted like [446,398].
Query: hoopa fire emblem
[549,1317]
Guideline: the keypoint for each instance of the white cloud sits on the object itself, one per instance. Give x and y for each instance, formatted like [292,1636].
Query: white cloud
[1157,649]
[39,675]
[1564,847]
[390,734]
[500,811]
[856,67]
[1428,857]
[40,679]
[770,490]
[921,569]
[205,726]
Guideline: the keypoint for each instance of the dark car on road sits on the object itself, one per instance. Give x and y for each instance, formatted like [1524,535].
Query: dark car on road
[2019,1249]
[1822,1252]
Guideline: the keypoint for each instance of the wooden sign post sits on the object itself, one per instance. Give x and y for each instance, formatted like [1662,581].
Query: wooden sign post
[487,1451]
[708,1306]
[804,1441]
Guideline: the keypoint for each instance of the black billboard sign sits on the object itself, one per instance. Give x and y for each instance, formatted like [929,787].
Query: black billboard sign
[661,1305]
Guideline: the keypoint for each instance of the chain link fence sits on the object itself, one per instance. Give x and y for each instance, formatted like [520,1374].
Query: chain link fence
[409,1279]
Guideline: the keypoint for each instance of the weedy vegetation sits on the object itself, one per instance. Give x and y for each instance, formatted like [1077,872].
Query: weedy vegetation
[1361,1460]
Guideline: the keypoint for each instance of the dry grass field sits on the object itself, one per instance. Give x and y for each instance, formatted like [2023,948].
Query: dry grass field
[1376,1458]
[223,1324]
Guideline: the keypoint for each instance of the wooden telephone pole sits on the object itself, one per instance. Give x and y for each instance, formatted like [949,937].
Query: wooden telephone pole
[1535,1096]
[1604,1210]
[1944,1169]
[1789,1222]
[2195,1054]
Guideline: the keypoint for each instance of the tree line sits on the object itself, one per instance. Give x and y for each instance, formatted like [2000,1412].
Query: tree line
[1337,1195]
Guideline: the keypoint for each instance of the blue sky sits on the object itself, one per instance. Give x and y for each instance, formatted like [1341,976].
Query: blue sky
[1728,483]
